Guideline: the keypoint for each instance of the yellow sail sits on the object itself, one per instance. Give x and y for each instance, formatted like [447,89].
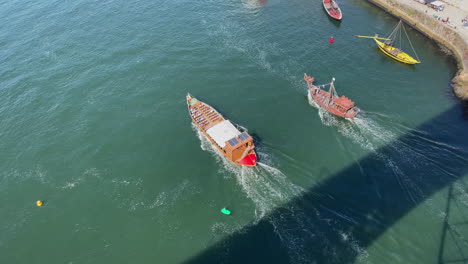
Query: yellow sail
[395,53]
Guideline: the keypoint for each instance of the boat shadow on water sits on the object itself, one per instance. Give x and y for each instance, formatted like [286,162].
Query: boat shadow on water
[336,23]
[338,219]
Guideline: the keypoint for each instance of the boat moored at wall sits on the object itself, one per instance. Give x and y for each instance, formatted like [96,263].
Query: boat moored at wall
[391,45]
[395,53]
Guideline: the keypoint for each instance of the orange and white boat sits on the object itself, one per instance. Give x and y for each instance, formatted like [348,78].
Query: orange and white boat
[329,100]
[236,146]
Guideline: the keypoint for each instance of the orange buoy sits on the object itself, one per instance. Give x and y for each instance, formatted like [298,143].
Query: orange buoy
[331,39]
[39,203]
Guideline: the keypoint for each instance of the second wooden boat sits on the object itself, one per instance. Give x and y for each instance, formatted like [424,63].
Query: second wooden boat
[332,8]
[329,100]
[237,146]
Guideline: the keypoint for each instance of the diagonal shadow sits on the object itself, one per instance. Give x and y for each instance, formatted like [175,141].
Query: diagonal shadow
[334,221]
[453,243]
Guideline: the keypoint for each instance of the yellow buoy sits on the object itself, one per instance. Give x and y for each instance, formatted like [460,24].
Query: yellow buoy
[39,203]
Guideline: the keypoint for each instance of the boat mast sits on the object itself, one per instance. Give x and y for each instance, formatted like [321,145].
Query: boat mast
[411,44]
[395,32]
[332,91]
[396,37]
[371,37]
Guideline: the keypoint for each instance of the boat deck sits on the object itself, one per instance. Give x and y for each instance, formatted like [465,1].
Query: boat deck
[204,116]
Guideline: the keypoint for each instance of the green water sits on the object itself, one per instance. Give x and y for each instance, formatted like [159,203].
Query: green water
[93,121]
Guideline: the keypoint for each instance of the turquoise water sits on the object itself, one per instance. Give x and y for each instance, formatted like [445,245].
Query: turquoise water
[94,122]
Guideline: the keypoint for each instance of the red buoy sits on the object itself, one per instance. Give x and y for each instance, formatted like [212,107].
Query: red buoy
[331,39]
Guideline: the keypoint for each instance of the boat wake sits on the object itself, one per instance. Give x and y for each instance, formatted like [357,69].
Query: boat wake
[371,135]
[401,155]
[253,4]
[265,185]
[363,131]
[271,192]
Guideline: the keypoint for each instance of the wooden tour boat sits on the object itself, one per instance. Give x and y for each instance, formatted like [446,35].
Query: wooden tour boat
[332,8]
[388,46]
[235,145]
[329,100]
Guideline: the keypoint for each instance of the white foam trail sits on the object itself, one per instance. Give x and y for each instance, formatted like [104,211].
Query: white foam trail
[370,135]
[252,4]
[93,172]
[71,185]
[128,192]
[269,189]
[165,200]
[265,185]
[364,131]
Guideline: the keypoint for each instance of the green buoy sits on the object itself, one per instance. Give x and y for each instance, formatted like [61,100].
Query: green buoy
[225,211]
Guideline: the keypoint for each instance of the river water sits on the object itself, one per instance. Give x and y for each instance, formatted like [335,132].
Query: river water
[93,122]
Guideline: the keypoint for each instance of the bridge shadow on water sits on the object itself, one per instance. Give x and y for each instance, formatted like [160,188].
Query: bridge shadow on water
[333,221]
[454,240]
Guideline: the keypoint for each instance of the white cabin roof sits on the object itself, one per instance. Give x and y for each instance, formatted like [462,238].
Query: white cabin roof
[222,132]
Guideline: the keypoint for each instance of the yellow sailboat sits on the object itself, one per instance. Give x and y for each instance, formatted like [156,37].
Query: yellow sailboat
[388,45]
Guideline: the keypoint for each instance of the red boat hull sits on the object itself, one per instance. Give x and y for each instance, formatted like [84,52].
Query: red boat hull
[249,160]
[332,8]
